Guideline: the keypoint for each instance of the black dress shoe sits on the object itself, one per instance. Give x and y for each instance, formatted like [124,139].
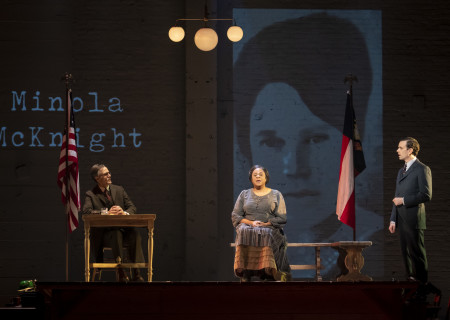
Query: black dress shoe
[123,277]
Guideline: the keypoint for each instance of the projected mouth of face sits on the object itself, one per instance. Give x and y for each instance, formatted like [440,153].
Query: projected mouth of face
[301,151]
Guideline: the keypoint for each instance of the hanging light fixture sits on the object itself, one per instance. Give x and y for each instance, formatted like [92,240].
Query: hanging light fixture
[176,34]
[206,38]
[235,33]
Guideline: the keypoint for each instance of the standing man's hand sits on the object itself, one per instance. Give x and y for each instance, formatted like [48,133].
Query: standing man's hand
[398,201]
[392,227]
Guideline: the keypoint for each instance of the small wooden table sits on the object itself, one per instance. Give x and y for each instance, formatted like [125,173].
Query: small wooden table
[133,220]
[354,260]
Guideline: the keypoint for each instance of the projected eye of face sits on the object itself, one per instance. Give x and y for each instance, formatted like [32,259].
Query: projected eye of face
[301,151]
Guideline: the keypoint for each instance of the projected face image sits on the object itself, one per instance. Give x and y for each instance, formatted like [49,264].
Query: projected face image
[302,152]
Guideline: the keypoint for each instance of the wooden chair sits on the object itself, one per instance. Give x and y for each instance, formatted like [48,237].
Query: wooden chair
[108,258]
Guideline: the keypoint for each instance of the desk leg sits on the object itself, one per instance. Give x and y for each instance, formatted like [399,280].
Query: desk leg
[354,261]
[87,249]
[318,265]
[150,254]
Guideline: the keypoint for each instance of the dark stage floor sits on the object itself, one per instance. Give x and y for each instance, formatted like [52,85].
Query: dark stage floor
[226,300]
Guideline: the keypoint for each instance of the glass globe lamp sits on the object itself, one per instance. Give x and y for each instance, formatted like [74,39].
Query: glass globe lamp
[176,34]
[206,39]
[235,33]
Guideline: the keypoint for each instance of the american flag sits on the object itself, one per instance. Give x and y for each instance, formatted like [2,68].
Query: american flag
[352,164]
[68,176]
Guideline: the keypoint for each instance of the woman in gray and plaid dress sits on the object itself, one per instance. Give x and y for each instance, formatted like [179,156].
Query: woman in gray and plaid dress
[259,216]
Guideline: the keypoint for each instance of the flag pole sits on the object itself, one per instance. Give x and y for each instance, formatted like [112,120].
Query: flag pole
[352,163]
[350,78]
[67,79]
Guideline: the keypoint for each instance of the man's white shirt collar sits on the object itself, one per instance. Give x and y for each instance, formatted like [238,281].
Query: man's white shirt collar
[410,162]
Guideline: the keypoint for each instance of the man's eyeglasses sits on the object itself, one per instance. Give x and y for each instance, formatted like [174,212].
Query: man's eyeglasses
[105,174]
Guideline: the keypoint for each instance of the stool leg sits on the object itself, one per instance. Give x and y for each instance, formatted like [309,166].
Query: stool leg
[318,266]
[94,272]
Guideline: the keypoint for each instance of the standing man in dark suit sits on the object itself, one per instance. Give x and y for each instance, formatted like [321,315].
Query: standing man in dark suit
[413,189]
[115,199]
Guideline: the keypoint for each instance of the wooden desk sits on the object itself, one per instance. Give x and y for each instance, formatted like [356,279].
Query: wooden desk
[133,220]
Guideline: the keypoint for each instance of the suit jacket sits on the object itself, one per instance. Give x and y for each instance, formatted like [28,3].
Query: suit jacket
[96,199]
[415,188]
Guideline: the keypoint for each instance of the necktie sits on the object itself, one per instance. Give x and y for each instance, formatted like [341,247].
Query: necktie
[404,169]
[108,198]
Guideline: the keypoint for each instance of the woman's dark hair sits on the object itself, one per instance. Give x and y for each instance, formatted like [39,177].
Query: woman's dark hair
[412,143]
[257,166]
[314,60]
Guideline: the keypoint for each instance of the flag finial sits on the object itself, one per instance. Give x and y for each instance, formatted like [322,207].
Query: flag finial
[350,78]
[68,79]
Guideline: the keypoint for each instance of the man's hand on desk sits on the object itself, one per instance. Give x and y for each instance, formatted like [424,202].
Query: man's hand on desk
[116,210]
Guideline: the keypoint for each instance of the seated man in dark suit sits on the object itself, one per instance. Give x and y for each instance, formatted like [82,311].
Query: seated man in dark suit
[116,200]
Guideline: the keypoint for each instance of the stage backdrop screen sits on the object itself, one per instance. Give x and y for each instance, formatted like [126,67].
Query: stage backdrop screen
[289,106]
